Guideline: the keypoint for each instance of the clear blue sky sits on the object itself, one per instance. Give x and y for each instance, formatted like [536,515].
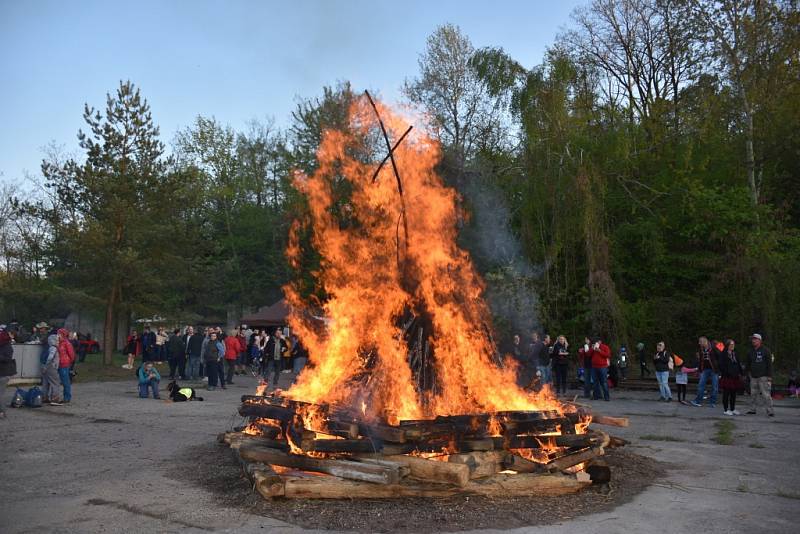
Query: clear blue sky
[235,60]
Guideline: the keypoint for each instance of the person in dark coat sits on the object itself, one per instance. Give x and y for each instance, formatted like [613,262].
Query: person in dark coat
[148,345]
[730,369]
[176,351]
[273,353]
[193,341]
[8,367]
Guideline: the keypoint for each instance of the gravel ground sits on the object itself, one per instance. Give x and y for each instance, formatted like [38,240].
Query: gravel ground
[111,462]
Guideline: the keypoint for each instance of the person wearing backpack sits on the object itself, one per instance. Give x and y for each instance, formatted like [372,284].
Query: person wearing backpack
[8,366]
[66,355]
[51,383]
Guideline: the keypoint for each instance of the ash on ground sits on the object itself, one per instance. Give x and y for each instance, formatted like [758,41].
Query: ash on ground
[631,474]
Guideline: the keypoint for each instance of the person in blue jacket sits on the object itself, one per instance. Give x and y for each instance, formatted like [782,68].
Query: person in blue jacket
[149,378]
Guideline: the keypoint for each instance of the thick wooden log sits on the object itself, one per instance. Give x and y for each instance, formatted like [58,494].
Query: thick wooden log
[599,473]
[497,486]
[409,447]
[378,474]
[266,430]
[481,464]
[236,439]
[269,485]
[535,426]
[336,488]
[502,485]
[610,421]
[383,432]
[519,464]
[342,445]
[526,415]
[615,442]
[267,411]
[575,458]
[434,470]
[478,444]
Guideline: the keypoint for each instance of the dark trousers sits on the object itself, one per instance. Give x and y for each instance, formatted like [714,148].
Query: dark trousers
[231,365]
[681,392]
[272,366]
[600,375]
[215,374]
[588,380]
[177,364]
[729,399]
[561,378]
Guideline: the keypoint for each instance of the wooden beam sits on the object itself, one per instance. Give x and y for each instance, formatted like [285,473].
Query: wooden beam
[377,474]
[342,445]
[575,458]
[610,421]
[497,486]
[502,485]
[519,464]
[481,464]
[434,470]
[236,439]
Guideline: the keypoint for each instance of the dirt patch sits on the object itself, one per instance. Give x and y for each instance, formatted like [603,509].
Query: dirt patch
[631,474]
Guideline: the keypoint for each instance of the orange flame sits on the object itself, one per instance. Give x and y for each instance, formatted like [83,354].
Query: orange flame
[369,288]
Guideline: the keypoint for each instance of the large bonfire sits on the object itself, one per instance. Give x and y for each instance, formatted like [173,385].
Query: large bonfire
[389,258]
[405,395]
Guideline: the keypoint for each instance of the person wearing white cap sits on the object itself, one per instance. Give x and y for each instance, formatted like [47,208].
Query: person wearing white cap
[759,367]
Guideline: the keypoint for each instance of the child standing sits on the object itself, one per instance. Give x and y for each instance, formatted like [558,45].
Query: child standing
[681,378]
[149,377]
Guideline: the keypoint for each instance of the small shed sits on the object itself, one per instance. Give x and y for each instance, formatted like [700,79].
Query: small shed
[274,315]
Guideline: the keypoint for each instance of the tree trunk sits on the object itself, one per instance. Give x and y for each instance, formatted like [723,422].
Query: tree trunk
[109,330]
[750,156]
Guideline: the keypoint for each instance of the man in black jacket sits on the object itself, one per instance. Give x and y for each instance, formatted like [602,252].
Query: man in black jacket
[273,353]
[194,350]
[759,367]
[176,348]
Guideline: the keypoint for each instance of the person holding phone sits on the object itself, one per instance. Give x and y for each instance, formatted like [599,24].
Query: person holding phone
[601,356]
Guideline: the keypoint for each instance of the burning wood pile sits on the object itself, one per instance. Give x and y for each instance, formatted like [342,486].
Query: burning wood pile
[405,393]
[299,450]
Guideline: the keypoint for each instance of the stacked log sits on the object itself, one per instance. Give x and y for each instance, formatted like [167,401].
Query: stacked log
[291,449]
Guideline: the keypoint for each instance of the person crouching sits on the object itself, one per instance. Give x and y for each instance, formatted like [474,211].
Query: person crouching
[149,377]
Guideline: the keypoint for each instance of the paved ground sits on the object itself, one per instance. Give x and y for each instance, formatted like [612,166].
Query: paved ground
[103,465]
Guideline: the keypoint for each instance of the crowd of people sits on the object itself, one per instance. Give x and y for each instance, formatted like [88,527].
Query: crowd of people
[716,364]
[57,358]
[212,354]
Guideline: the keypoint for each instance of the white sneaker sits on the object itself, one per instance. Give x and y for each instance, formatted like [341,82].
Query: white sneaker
[736,412]
[728,412]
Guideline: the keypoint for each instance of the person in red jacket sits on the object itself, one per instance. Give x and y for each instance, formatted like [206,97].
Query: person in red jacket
[601,358]
[66,355]
[232,349]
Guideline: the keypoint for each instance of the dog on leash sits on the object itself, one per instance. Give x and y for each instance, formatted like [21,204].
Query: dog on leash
[181,394]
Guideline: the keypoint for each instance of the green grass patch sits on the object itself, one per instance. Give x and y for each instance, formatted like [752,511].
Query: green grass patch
[724,435]
[93,369]
[788,494]
[756,446]
[656,437]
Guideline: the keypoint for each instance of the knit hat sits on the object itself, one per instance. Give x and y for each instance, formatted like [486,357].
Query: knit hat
[756,336]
